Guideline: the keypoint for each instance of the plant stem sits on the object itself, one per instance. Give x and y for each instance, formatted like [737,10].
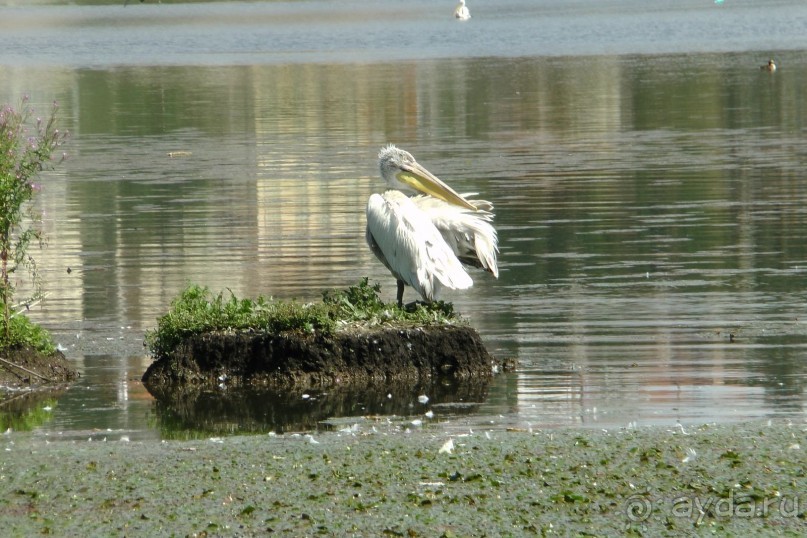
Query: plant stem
[24,369]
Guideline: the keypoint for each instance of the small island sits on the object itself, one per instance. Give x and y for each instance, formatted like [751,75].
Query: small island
[351,337]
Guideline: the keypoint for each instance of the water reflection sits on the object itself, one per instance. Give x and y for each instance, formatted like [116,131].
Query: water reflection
[196,412]
[25,410]
[649,208]
[108,402]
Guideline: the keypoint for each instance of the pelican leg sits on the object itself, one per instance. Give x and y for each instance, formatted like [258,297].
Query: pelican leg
[401,286]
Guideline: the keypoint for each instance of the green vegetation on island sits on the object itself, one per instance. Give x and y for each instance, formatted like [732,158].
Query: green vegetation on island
[198,310]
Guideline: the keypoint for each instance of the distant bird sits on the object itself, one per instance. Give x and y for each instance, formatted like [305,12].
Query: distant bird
[425,240]
[770,66]
[461,11]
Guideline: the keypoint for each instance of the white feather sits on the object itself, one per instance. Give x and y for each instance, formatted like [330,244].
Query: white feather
[404,238]
[469,233]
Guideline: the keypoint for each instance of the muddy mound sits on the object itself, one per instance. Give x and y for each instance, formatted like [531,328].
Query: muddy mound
[25,367]
[357,355]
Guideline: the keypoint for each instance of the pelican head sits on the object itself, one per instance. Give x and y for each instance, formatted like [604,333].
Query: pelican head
[400,170]
[424,240]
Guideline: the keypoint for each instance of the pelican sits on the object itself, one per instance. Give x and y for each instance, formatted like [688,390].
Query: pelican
[770,66]
[461,11]
[425,239]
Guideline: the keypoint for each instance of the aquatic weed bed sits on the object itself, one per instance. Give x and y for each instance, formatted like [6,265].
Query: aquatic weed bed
[391,479]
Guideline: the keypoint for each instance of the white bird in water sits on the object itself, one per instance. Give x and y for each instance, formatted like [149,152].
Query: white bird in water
[461,11]
[424,240]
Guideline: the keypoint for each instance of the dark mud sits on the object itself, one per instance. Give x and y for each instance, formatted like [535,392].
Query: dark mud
[350,357]
[25,367]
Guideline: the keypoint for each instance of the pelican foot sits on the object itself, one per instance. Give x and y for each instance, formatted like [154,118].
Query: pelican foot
[414,305]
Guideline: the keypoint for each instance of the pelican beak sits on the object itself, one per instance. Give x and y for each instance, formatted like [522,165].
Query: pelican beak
[424,181]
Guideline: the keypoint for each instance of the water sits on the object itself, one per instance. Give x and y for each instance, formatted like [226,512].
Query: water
[250,33]
[647,177]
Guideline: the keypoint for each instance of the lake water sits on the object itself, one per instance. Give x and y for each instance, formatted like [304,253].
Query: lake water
[648,180]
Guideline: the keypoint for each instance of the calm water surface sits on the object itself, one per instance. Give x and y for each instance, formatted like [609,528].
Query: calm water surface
[648,179]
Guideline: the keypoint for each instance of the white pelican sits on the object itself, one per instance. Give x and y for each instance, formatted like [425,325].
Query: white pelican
[461,11]
[425,239]
[770,66]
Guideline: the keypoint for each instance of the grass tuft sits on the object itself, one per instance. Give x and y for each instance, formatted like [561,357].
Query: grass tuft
[22,332]
[198,310]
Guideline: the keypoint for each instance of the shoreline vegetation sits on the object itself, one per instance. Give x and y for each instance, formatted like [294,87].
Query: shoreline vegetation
[382,478]
[28,355]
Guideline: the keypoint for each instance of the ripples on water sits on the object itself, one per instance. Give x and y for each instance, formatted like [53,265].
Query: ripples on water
[249,33]
[651,207]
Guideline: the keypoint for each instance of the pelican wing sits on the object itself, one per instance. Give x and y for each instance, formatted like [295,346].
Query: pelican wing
[406,241]
[469,233]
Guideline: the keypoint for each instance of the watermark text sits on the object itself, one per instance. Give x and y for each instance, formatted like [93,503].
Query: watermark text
[639,508]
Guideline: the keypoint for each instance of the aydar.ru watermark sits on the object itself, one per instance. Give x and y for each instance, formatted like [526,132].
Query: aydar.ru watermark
[639,508]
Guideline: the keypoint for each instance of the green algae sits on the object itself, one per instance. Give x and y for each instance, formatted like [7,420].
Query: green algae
[379,480]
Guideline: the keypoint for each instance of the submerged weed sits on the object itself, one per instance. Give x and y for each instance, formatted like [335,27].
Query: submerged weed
[198,310]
